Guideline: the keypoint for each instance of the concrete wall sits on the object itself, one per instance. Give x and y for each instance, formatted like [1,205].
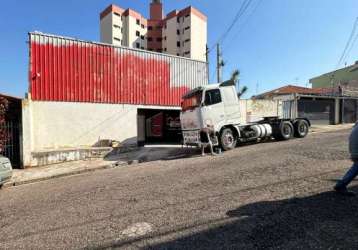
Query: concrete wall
[56,126]
[107,29]
[198,38]
[254,110]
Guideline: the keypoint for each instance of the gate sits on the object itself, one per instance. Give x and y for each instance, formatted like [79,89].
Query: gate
[10,142]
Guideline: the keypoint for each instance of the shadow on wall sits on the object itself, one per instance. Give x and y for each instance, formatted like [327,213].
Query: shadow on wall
[322,221]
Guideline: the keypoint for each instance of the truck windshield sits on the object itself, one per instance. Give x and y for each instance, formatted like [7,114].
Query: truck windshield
[192,101]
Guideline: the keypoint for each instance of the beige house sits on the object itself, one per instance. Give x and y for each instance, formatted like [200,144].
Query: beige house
[181,33]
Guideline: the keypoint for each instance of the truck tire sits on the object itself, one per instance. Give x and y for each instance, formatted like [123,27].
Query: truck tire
[301,128]
[228,139]
[285,131]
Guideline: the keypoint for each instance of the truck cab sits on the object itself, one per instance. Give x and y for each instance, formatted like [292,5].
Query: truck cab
[216,107]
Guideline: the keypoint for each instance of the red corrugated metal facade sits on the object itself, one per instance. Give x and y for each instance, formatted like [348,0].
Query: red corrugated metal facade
[69,70]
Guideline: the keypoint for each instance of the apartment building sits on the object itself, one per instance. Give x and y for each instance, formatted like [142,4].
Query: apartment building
[181,33]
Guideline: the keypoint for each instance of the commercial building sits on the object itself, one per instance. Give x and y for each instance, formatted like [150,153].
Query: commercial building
[180,33]
[82,93]
[347,76]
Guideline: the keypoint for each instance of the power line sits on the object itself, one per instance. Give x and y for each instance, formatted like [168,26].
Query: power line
[259,2]
[350,48]
[245,4]
[348,43]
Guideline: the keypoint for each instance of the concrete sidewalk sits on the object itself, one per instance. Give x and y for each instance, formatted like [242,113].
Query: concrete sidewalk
[146,154]
[330,128]
[31,175]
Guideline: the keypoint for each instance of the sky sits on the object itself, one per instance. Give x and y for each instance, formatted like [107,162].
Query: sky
[276,42]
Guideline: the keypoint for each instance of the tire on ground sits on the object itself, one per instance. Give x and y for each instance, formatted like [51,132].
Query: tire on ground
[284,131]
[301,128]
[228,140]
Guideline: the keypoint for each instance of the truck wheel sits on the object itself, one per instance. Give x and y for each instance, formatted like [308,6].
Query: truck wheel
[285,131]
[301,128]
[228,140]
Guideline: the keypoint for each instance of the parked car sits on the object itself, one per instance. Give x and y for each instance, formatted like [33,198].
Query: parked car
[5,170]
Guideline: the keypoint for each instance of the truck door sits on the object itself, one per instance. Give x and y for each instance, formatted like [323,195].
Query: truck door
[213,111]
[231,103]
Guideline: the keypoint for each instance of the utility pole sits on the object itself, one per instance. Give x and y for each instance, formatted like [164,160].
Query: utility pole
[220,64]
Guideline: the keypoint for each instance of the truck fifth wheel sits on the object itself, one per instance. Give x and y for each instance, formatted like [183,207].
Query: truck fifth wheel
[217,107]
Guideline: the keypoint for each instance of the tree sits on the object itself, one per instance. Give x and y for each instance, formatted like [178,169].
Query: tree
[4,105]
[235,77]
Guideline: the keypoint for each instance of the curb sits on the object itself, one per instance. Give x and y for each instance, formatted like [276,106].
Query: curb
[77,172]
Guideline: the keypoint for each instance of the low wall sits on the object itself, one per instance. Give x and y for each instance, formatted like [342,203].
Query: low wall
[254,110]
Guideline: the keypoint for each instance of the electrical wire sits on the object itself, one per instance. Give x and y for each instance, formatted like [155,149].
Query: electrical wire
[244,6]
[348,43]
[350,48]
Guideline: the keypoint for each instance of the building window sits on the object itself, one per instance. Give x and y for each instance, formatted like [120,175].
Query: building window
[187,53]
[137,45]
[178,32]
[158,28]
[142,26]
[150,39]
[137,33]
[165,49]
[150,49]
[159,50]
[165,38]
[178,44]
[178,19]
[142,37]
[165,26]
[116,26]
[117,14]
[142,47]
[187,40]
[116,39]
[187,15]
[187,28]
[159,39]
[150,27]
[138,22]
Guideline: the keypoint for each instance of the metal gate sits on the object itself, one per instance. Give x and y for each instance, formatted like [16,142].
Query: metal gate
[349,112]
[318,111]
[11,142]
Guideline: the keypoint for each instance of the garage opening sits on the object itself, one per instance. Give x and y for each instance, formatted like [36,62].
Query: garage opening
[10,127]
[318,111]
[159,126]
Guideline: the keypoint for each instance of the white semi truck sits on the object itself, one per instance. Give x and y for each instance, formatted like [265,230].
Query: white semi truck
[215,108]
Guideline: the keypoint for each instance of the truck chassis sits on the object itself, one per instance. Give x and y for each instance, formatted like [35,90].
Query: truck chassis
[269,127]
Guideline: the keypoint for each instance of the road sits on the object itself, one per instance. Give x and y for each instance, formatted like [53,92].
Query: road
[269,195]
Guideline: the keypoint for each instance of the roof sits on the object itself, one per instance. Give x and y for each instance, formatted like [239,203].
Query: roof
[290,89]
[349,68]
[10,97]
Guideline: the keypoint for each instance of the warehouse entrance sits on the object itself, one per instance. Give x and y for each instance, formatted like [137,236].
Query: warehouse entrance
[159,126]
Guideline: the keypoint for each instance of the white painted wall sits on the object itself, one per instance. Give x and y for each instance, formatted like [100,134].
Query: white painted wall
[106,29]
[198,38]
[60,125]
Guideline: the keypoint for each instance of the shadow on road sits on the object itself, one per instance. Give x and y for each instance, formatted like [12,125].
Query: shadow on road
[323,221]
[153,153]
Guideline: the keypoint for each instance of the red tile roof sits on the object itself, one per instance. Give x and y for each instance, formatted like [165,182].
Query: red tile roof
[292,89]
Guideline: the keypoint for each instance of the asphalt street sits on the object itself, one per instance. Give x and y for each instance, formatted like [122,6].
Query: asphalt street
[261,196]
